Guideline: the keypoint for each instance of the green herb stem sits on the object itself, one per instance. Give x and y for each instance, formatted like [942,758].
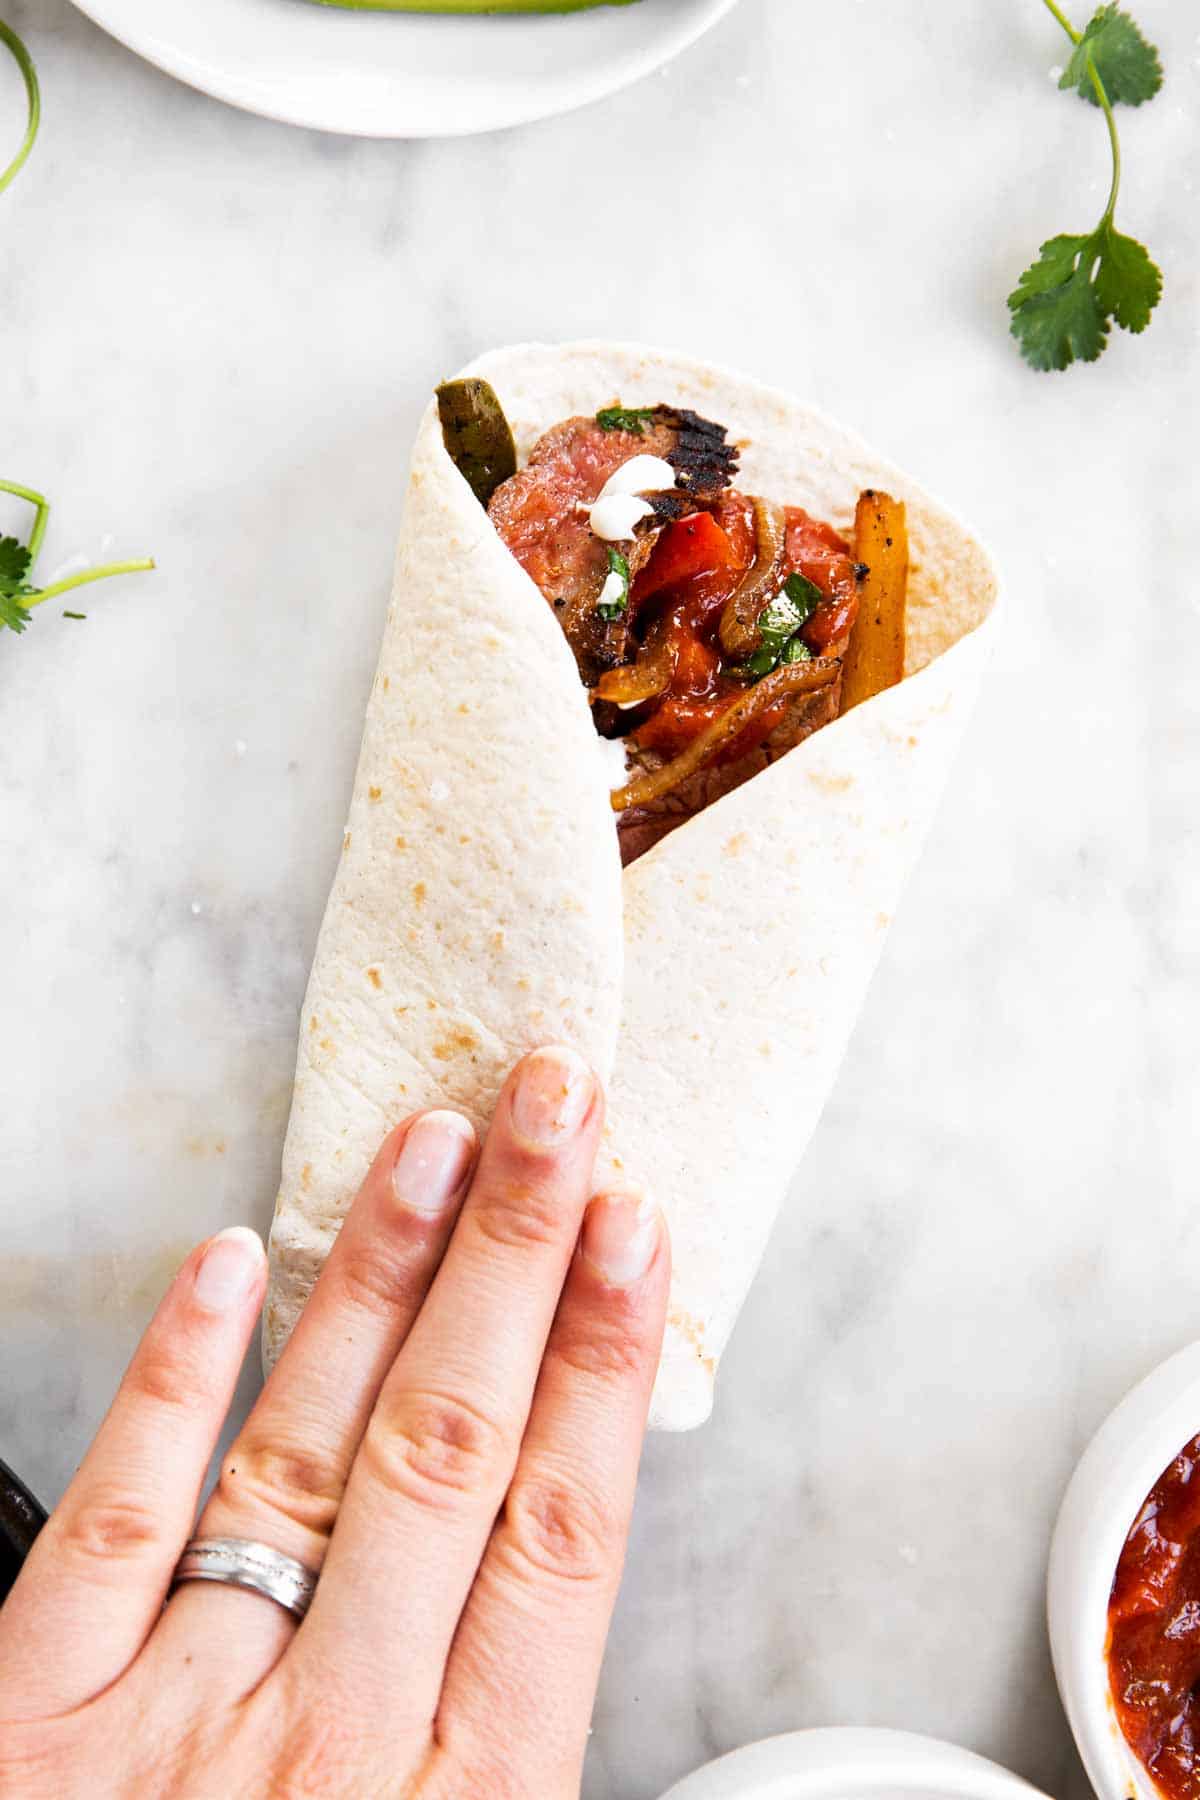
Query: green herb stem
[1075,36]
[81,580]
[33,96]
[42,519]
[1113,138]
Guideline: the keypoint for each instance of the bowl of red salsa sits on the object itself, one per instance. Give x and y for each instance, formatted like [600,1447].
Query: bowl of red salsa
[1124,1592]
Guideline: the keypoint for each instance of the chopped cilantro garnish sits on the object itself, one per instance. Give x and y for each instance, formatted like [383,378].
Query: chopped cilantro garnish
[779,625]
[804,594]
[623,418]
[619,566]
[1065,302]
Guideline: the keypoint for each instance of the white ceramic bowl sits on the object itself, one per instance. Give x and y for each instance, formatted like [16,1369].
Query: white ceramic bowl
[376,74]
[1116,1472]
[849,1764]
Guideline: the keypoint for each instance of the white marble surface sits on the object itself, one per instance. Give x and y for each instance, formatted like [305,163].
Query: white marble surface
[215,337]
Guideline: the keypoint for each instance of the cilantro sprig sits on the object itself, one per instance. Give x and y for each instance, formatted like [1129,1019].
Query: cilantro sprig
[33,98]
[19,593]
[779,626]
[1064,303]
[633,419]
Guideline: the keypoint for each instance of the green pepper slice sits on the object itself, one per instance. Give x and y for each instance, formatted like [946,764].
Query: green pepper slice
[478,439]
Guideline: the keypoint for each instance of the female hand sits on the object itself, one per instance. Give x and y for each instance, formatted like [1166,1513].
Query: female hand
[451,1438]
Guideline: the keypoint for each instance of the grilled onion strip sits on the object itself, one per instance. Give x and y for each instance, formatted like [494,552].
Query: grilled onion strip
[784,683]
[758,587]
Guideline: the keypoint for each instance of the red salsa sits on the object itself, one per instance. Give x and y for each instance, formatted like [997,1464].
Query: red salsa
[1154,1631]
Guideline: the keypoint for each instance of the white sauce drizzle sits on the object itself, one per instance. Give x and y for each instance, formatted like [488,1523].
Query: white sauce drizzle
[614,516]
[619,506]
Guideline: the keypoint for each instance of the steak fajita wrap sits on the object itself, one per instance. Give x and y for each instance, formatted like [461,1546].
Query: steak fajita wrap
[672,676]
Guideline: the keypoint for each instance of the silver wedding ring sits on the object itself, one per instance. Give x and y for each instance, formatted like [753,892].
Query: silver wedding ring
[243,1563]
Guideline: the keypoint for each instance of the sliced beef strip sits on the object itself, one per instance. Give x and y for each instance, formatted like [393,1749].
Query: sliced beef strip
[539,514]
[641,827]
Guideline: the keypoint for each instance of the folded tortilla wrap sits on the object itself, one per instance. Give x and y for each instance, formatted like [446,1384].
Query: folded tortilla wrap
[480,909]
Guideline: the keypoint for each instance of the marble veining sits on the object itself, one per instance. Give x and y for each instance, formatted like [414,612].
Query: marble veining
[216,335]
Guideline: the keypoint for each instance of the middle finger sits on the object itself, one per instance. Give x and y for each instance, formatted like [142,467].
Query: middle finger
[439,1451]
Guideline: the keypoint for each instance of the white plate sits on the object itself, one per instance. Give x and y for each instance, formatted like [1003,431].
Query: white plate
[372,74]
[848,1763]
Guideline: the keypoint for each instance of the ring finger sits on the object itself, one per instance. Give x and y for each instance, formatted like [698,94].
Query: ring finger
[282,1481]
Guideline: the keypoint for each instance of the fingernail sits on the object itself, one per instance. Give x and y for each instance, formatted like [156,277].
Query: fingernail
[552,1096]
[229,1269]
[435,1159]
[620,1235]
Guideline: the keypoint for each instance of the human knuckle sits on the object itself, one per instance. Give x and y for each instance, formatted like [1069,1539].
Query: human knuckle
[320,1752]
[557,1528]
[276,1476]
[165,1377]
[608,1351]
[436,1447]
[520,1212]
[107,1529]
[370,1282]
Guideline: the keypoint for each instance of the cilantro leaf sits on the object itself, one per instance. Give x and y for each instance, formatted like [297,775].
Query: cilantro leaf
[618,566]
[779,625]
[14,564]
[1056,316]
[14,567]
[1126,62]
[623,418]
[1064,302]
[804,594]
[779,621]
[1128,283]
[13,615]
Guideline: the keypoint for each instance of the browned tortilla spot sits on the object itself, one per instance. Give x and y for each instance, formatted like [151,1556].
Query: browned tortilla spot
[692,1332]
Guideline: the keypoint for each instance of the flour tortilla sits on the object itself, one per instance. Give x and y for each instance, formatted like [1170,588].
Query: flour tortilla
[479,907]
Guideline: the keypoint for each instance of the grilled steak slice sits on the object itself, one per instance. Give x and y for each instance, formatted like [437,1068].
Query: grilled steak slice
[541,514]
